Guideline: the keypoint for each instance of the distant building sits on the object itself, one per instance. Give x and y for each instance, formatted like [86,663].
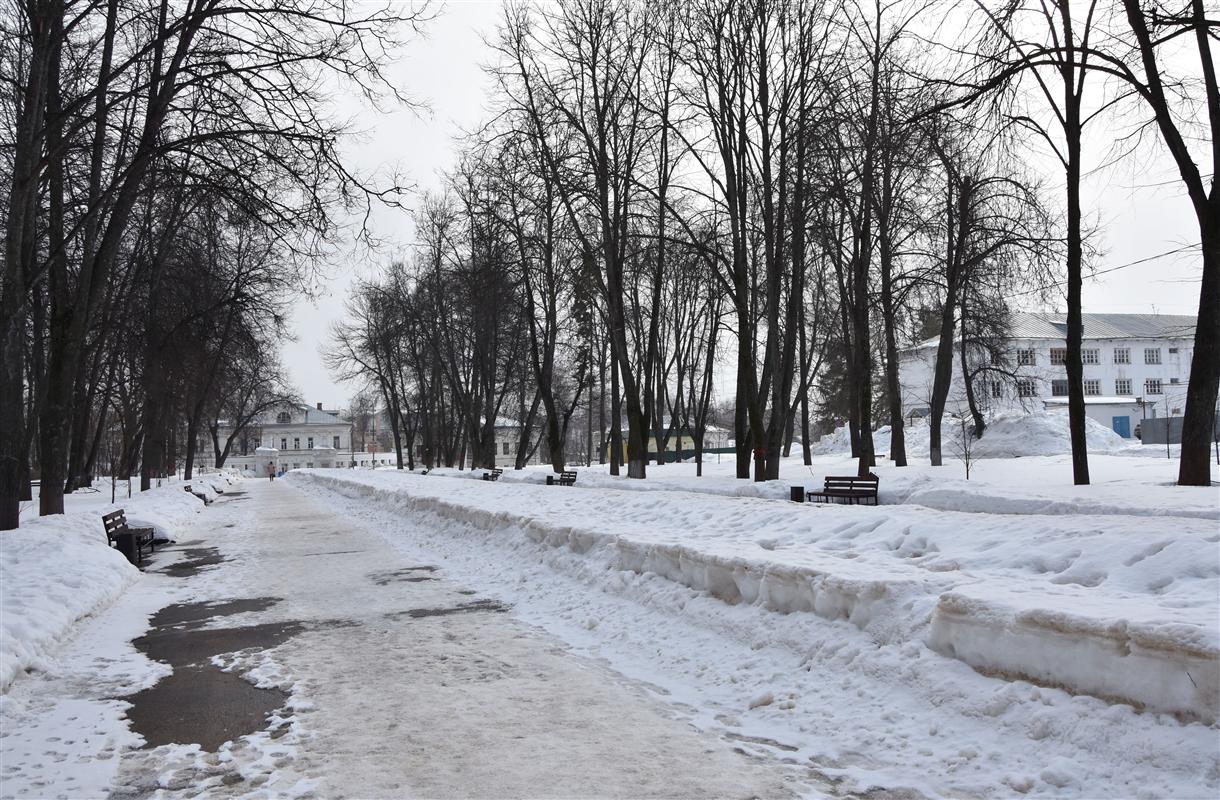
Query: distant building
[1135,365]
[296,436]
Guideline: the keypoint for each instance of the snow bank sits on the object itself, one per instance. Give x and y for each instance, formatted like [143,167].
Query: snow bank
[1083,596]
[170,510]
[1008,435]
[55,570]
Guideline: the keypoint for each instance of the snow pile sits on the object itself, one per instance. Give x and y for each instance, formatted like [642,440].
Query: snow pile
[57,569]
[1044,433]
[53,571]
[1008,435]
[170,510]
[1060,600]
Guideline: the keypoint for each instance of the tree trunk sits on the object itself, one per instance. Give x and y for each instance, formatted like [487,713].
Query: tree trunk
[1198,421]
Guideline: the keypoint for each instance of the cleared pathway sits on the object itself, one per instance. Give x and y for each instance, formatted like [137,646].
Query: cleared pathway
[376,678]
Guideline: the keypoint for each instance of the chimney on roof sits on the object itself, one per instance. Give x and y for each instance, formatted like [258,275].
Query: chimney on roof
[319,406]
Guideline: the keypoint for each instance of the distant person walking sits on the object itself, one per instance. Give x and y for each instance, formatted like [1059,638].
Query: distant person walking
[271,471]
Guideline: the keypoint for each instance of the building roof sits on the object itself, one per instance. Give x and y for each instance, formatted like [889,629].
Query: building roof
[1053,325]
[1104,326]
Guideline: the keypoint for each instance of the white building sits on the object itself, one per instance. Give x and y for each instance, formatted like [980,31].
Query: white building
[1135,365]
[295,436]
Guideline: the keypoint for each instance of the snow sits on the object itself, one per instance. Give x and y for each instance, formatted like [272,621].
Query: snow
[896,572]
[1008,435]
[57,570]
[950,653]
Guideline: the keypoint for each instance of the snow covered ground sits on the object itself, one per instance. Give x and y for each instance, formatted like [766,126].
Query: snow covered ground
[1010,635]
[56,570]
[929,643]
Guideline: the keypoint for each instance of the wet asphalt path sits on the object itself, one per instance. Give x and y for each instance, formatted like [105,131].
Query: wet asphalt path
[306,657]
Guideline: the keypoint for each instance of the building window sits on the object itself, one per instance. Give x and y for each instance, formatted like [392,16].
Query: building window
[1173,350]
[506,448]
[1122,355]
[1090,356]
[283,418]
[997,389]
[296,443]
[1173,380]
[1152,386]
[1059,388]
[309,442]
[1152,355]
[1026,388]
[1059,356]
[284,444]
[1122,386]
[1092,387]
[336,444]
[1025,358]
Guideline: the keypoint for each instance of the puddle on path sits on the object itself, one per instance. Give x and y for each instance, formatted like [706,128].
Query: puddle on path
[182,647]
[476,605]
[199,702]
[202,705]
[404,575]
[193,615]
[196,559]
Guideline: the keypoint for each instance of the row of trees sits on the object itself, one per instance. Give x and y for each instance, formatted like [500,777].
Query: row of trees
[169,174]
[794,189]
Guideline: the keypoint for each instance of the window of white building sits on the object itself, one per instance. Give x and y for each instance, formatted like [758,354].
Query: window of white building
[336,444]
[1122,386]
[1092,386]
[1027,388]
[506,448]
[1090,356]
[310,443]
[283,418]
[997,389]
[1152,355]
[1059,356]
[284,443]
[1059,388]
[1122,355]
[1025,358]
[296,444]
[1152,386]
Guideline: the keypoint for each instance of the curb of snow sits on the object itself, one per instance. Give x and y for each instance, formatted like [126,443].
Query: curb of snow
[1158,665]
[57,570]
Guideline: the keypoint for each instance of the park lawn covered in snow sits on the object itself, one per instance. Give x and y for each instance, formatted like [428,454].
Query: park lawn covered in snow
[56,570]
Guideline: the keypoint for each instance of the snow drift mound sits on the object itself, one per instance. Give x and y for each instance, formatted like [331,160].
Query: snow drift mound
[53,571]
[1043,433]
[1008,435]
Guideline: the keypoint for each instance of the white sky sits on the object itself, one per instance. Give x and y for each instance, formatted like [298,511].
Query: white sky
[1139,204]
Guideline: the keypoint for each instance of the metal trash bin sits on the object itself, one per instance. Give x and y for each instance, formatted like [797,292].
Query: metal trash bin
[798,494]
[550,480]
[126,544]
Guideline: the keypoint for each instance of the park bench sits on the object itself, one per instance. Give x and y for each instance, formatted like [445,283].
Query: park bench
[201,495]
[567,478]
[130,541]
[853,489]
[494,475]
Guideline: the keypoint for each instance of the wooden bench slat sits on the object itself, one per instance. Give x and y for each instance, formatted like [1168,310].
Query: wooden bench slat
[848,487]
[115,524]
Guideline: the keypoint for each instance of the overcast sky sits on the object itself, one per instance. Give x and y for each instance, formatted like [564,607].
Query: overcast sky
[1139,204]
